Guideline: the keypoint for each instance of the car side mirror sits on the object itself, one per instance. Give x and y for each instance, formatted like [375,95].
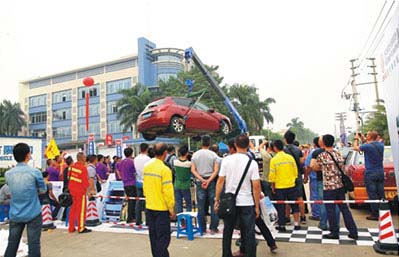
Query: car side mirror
[211,110]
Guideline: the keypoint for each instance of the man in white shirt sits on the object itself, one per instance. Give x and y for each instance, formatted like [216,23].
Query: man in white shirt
[139,163]
[247,200]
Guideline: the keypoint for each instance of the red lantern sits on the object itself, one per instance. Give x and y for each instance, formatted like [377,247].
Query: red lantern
[88,82]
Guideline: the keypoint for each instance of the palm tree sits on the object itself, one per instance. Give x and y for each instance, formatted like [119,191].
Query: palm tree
[244,96]
[132,103]
[12,118]
[265,109]
[295,123]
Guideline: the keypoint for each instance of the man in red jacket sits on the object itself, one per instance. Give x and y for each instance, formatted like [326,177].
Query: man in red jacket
[78,185]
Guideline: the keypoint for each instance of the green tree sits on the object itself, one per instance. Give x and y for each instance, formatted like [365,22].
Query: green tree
[132,103]
[270,135]
[377,121]
[12,118]
[303,135]
[252,109]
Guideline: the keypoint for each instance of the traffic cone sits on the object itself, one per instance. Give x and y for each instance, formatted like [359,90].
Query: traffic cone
[387,242]
[92,214]
[47,218]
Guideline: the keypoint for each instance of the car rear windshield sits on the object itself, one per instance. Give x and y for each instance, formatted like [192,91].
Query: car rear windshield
[155,103]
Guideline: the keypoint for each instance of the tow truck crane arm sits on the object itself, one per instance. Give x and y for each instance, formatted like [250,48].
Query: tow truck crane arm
[189,54]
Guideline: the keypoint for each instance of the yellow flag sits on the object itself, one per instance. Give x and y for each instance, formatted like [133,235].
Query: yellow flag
[52,150]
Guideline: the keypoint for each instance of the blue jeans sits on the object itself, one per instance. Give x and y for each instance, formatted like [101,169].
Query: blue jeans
[285,194]
[339,194]
[245,215]
[181,194]
[202,195]
[323,213]
[314,196]
[34,232]
[139,206]
[374,182]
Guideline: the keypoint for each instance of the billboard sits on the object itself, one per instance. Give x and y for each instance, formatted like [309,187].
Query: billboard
[388,58]
[7,145]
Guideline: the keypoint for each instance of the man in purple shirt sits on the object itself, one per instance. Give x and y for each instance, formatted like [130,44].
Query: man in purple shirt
[128,173]
[54,174]
[101,169]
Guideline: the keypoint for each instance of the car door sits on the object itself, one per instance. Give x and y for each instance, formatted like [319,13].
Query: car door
[211,122]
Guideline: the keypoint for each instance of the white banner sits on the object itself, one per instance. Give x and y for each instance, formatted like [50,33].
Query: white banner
[388,57]
[7,145]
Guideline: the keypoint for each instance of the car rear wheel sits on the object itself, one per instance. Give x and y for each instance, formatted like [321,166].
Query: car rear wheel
[176,125]
[224,128]
[149,137]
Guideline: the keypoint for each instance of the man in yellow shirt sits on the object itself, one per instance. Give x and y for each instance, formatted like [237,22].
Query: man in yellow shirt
[282,176]
[160,201]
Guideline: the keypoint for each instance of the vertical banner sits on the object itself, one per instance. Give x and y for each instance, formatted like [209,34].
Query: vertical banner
[91,144]
[87,111]
[108,139]
[118,143]
[388,57]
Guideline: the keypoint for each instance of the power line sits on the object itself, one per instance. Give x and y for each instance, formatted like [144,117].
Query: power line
[361,59]
[371,32]
[376,35]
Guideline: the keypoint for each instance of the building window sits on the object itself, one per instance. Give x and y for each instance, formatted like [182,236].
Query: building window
[115,127]
[115,86]
[112,107]
[120,65]
[40,117]
[38,133]
[165,76]
[62,132]
[63,114]
[40,83]
[39,100]
[93,91]
[168,58]
[94,128]
[94,110]
[62,96]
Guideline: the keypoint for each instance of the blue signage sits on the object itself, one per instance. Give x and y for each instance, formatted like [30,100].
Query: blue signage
[91,147]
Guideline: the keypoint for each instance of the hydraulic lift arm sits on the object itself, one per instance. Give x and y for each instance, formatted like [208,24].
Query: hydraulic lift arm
[189,55]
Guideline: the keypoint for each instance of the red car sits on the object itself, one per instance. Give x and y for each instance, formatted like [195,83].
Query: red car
[173,116]
[354,167]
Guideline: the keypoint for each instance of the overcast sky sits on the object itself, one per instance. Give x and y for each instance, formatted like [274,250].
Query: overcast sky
[297,52]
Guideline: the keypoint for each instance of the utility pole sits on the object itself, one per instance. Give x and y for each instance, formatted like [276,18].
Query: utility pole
[341,117]
[374,73]
[355,94]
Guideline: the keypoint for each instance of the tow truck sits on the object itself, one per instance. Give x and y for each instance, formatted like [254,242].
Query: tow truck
[190,55]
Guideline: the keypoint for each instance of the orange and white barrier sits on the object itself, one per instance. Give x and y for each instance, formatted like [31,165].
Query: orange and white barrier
[47,217]
[327,201]
[387,241]
[121,197]
[92,219]
[274,202]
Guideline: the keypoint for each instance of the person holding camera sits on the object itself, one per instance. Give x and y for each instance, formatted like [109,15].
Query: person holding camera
[374,174]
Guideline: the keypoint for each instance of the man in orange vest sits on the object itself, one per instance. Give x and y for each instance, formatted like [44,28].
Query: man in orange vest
[78,186]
